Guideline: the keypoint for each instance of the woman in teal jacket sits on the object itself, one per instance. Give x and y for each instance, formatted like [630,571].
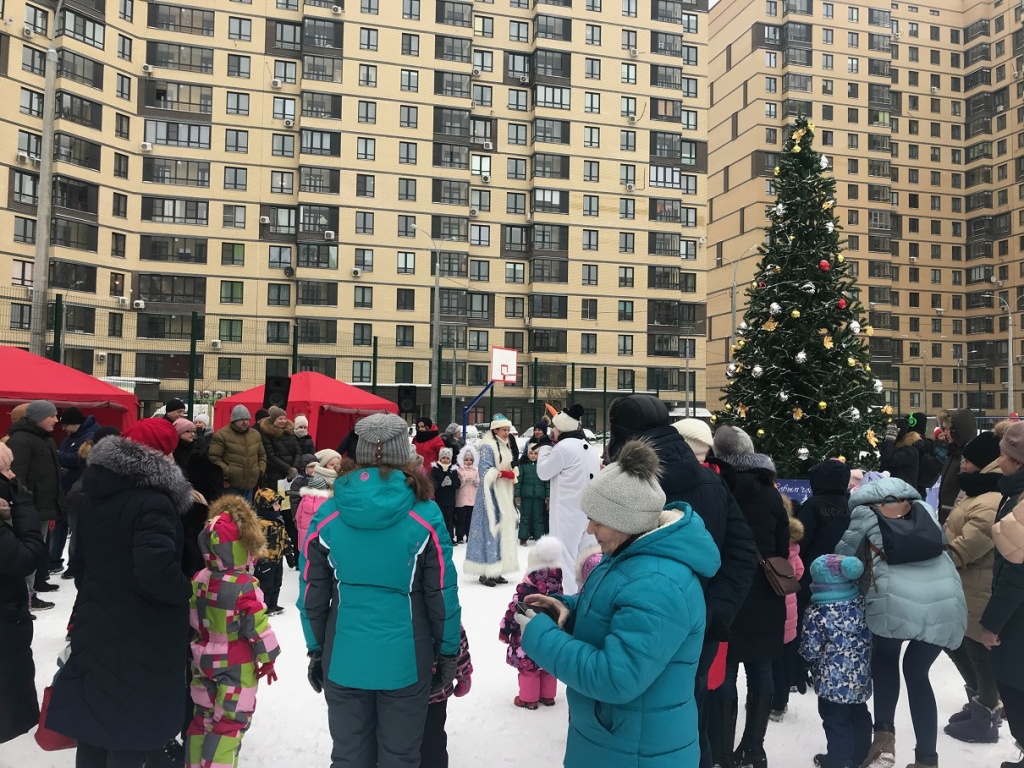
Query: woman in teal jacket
[633,635]
[919,604]
[379,598]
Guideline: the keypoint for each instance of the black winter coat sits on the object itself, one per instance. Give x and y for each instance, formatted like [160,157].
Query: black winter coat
[36,465]
[826,514]
[1004,613]
[964,429]
[21,547]
[306,445]
[756,634]
[282,449]
[902,458]
[123,688]
[444,495]
[683,478]
[67,454]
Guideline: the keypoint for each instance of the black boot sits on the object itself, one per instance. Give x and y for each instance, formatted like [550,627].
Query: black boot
[750,753]
[982,727]
[965,711]
[722,729]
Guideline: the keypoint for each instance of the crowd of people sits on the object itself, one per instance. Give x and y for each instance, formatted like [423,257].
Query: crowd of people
[657,571]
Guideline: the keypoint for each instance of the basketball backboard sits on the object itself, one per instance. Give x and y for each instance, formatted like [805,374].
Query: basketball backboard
[503,365]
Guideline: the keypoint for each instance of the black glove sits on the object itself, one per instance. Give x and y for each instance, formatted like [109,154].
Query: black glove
[315,674]
[447,666]
[892,431]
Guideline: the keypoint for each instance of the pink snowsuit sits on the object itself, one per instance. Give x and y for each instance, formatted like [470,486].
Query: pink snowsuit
[310,502]
[789,635]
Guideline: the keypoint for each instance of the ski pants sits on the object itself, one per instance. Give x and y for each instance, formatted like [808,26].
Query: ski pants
[224,704]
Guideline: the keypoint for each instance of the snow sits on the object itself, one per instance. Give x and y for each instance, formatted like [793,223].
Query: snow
[484,728]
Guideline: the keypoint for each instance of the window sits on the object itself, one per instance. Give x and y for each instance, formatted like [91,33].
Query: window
[410,80]
[408,117]
[236,141]
[368,75]
[234,216]
[406,262]
[239,29]
[237,103]
[366,149]
[368,39]
[625,277]
[231,291]
[363,296]
[120,165]
[120,206]
[407,152]
[232,254]
[240,66]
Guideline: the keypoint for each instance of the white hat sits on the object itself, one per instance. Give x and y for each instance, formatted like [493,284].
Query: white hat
[499,421]
[546,553]
[697,435]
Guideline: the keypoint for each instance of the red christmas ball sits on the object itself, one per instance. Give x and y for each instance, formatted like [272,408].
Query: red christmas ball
[824,266]
[842,303]
[761,285]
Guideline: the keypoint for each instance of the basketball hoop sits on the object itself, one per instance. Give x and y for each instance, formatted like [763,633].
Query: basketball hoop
[503,365]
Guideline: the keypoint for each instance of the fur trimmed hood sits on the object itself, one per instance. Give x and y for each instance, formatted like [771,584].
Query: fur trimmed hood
[910,438]
[307,491]
[232,538]
[747,461]
[136,466]
[270,429]
[468,450]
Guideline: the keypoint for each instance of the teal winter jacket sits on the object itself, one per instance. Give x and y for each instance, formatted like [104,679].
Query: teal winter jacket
[378,591]
[910,601]
[530,486]
[629,653]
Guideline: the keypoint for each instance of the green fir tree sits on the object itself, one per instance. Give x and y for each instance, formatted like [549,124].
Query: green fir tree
[800,381]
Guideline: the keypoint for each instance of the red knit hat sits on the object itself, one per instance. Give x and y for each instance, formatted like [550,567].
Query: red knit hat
[158,434]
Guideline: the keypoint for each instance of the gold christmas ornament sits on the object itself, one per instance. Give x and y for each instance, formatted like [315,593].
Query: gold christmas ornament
[822,405]
[810,127]
[776,170]
[728,407]
[713,418]
[887,409]
[741,343]
[869,330]
[841,458]
[796,149]
[760,433]
[840,258]
[827,342]
[795,314]
[871,437]
[867,368]
[851,362]
[798,413]
[741,409]
[771,325]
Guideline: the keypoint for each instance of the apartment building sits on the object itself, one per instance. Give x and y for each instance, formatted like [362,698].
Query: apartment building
[919,109]
[292,172]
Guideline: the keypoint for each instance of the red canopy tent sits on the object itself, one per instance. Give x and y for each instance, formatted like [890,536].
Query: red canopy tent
[332,407]
[30,377]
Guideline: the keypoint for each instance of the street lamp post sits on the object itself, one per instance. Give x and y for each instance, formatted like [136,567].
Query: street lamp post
[435,328]
[44,200]
[1009,350]
[735,264]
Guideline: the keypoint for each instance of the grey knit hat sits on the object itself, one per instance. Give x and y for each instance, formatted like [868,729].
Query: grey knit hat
[40,409]
[626,495]
[240,412]
[732,441]
[383,439]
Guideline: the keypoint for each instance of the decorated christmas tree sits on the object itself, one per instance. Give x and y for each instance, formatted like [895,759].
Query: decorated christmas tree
[800,381]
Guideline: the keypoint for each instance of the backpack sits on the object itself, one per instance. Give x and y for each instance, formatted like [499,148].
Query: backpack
[929,467]
[911,539]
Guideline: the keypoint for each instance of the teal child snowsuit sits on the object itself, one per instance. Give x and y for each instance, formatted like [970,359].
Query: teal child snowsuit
[532,493]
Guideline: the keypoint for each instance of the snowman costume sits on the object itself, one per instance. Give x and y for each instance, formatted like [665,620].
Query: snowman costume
[570,465]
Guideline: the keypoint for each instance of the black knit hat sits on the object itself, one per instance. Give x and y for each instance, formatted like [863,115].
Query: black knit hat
[174,404]
[982,450]
[633,415]
[72,416]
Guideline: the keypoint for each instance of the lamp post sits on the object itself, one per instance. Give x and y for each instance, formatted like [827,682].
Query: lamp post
[1009,350]
[435,327]
[732,311]
[44,200]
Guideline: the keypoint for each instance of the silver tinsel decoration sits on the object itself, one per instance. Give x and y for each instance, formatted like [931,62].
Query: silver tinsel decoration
[807,288]
[756,371]
[801,357]
[731,369]
[774,308]
[744,326]
[853,414]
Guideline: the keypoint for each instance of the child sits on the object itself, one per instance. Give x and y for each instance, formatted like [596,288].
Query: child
[307,461]
[786,670]
[544,577]
[270,567]
[446,485]
[589,558]
[837,643]
[532,493]
[469,479]
[434,749]
[233,645]
[319,488]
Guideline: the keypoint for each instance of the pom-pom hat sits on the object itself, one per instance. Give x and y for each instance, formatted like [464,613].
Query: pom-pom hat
[499,421]
[546,553]
[567,419]
[834,577]
[158,434]
[626,496]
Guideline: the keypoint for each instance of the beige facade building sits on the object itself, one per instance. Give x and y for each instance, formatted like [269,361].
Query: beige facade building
[919,109]
[287,170]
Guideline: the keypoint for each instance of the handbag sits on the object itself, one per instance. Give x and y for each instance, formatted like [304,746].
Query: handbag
[912,538]
[780,575]
[50,741]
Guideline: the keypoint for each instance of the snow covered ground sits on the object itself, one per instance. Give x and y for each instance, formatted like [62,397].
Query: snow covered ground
[484,729]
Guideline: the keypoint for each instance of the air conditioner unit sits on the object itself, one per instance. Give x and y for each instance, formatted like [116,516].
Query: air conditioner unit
[122,301]
[1019,359]
[488,145]
[935,89]
[146,146]
[22,157]
[476,72]
[138,304]
[524,79]
[633,53]
[485,178]
[1017,74]
[264,219]
[337,10]
[939,310]
[897,35]
[329,234]
[276,82]
[28,32]
[216,343]
[913,259]
[36,159]
[1001,108]
[101,357]
[633,119]
[148,69]
[220,394]
[356,271]
[630,187]
[702,240]
[474,212]
[289,123]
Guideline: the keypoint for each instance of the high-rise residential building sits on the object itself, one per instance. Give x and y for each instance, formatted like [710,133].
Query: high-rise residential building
[919,109]
[289,170]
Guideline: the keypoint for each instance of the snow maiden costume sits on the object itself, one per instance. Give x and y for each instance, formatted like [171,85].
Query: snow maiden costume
[492,549]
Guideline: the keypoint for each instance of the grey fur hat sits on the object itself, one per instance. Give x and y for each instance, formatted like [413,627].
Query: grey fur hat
[732,441]
[383,439]
[240,413]
[626,495]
